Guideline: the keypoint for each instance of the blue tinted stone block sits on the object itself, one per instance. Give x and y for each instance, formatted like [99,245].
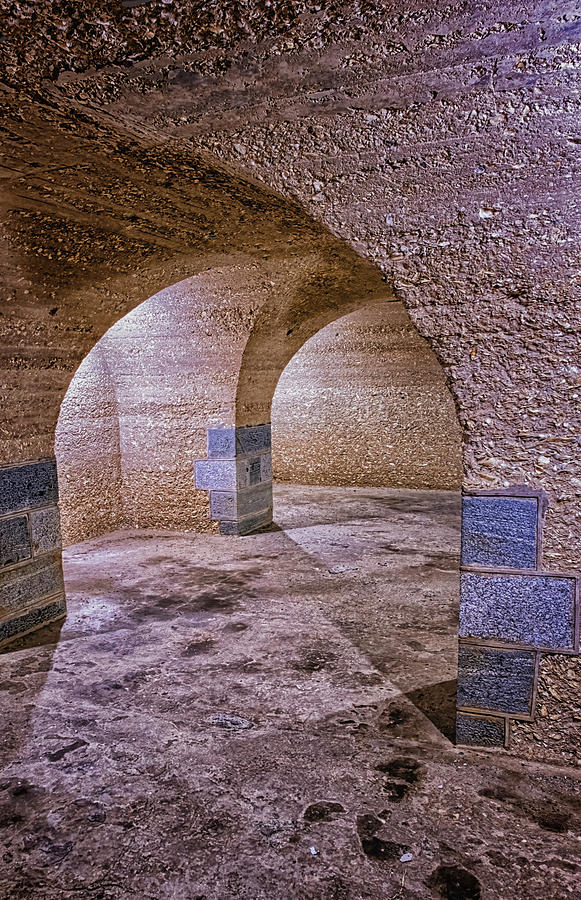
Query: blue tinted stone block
[45,530]
[28,486]
[221,443]
[26,585]
[499,531]
[479,731]
[32,619]
[252,439]
[526,609]
[496,680]
[215,474]
[14,540]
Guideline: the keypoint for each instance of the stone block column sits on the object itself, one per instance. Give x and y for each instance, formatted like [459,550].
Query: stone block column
[238,474]
[510,612]
[31,580]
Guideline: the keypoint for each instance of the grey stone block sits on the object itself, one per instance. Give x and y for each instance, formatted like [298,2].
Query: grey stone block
[221,443]
[28,486]
[499,531]
[479,731]
[494,679]
[45,529]
[224,505]
[33,618]
[234,505]
[26,585]
[252,439]
[248,524]
[14,540]
[527,609]
[215,474]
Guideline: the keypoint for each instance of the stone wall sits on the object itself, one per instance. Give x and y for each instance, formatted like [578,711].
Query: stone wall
[364,402]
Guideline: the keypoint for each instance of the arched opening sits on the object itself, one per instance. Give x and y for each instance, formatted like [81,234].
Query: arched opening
[365,440]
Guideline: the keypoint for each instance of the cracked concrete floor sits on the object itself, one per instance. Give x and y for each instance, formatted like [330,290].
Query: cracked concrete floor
[266,717]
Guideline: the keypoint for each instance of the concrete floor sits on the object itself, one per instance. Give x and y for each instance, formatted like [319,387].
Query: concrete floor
[267,717]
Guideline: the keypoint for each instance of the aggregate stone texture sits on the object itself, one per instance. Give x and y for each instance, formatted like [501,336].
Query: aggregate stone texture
[14,540]
[497,680]
[499,531]
[27,486]
[480,731]
[529,609]
[249,719]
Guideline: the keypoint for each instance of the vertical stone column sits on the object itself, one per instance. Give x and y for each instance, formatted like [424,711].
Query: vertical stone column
[31,580]
[510,612]
[238,474]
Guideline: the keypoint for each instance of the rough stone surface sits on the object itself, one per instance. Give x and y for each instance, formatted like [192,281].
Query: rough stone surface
[27,486]
[526,609]
[115,781]
[217,474]
[221,443]
[500,680]
[45,530]
[25,585]
[254,439]
[14,540]
[480,731]
[499,531]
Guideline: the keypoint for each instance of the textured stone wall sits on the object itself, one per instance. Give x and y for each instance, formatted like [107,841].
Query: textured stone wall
[364,402]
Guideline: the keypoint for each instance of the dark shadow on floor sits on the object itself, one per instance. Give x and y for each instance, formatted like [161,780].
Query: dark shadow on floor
[438,703]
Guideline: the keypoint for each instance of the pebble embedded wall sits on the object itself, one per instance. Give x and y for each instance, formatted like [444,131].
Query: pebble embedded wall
[31,579]
[511,612]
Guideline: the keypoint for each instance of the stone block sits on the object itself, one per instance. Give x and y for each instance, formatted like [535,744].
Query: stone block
[496,680]
[215,474]
[28,486]
[234,505]
[32,619]
[14,540]
[499,531]
[527,609]
[252,439]
[248,524]
[24,586]
[479,731]
[45,530]
[224,505]
[221,443]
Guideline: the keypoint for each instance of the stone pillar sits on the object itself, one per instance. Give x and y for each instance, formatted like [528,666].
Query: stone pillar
[31,580]
[510,612]
[238,474]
